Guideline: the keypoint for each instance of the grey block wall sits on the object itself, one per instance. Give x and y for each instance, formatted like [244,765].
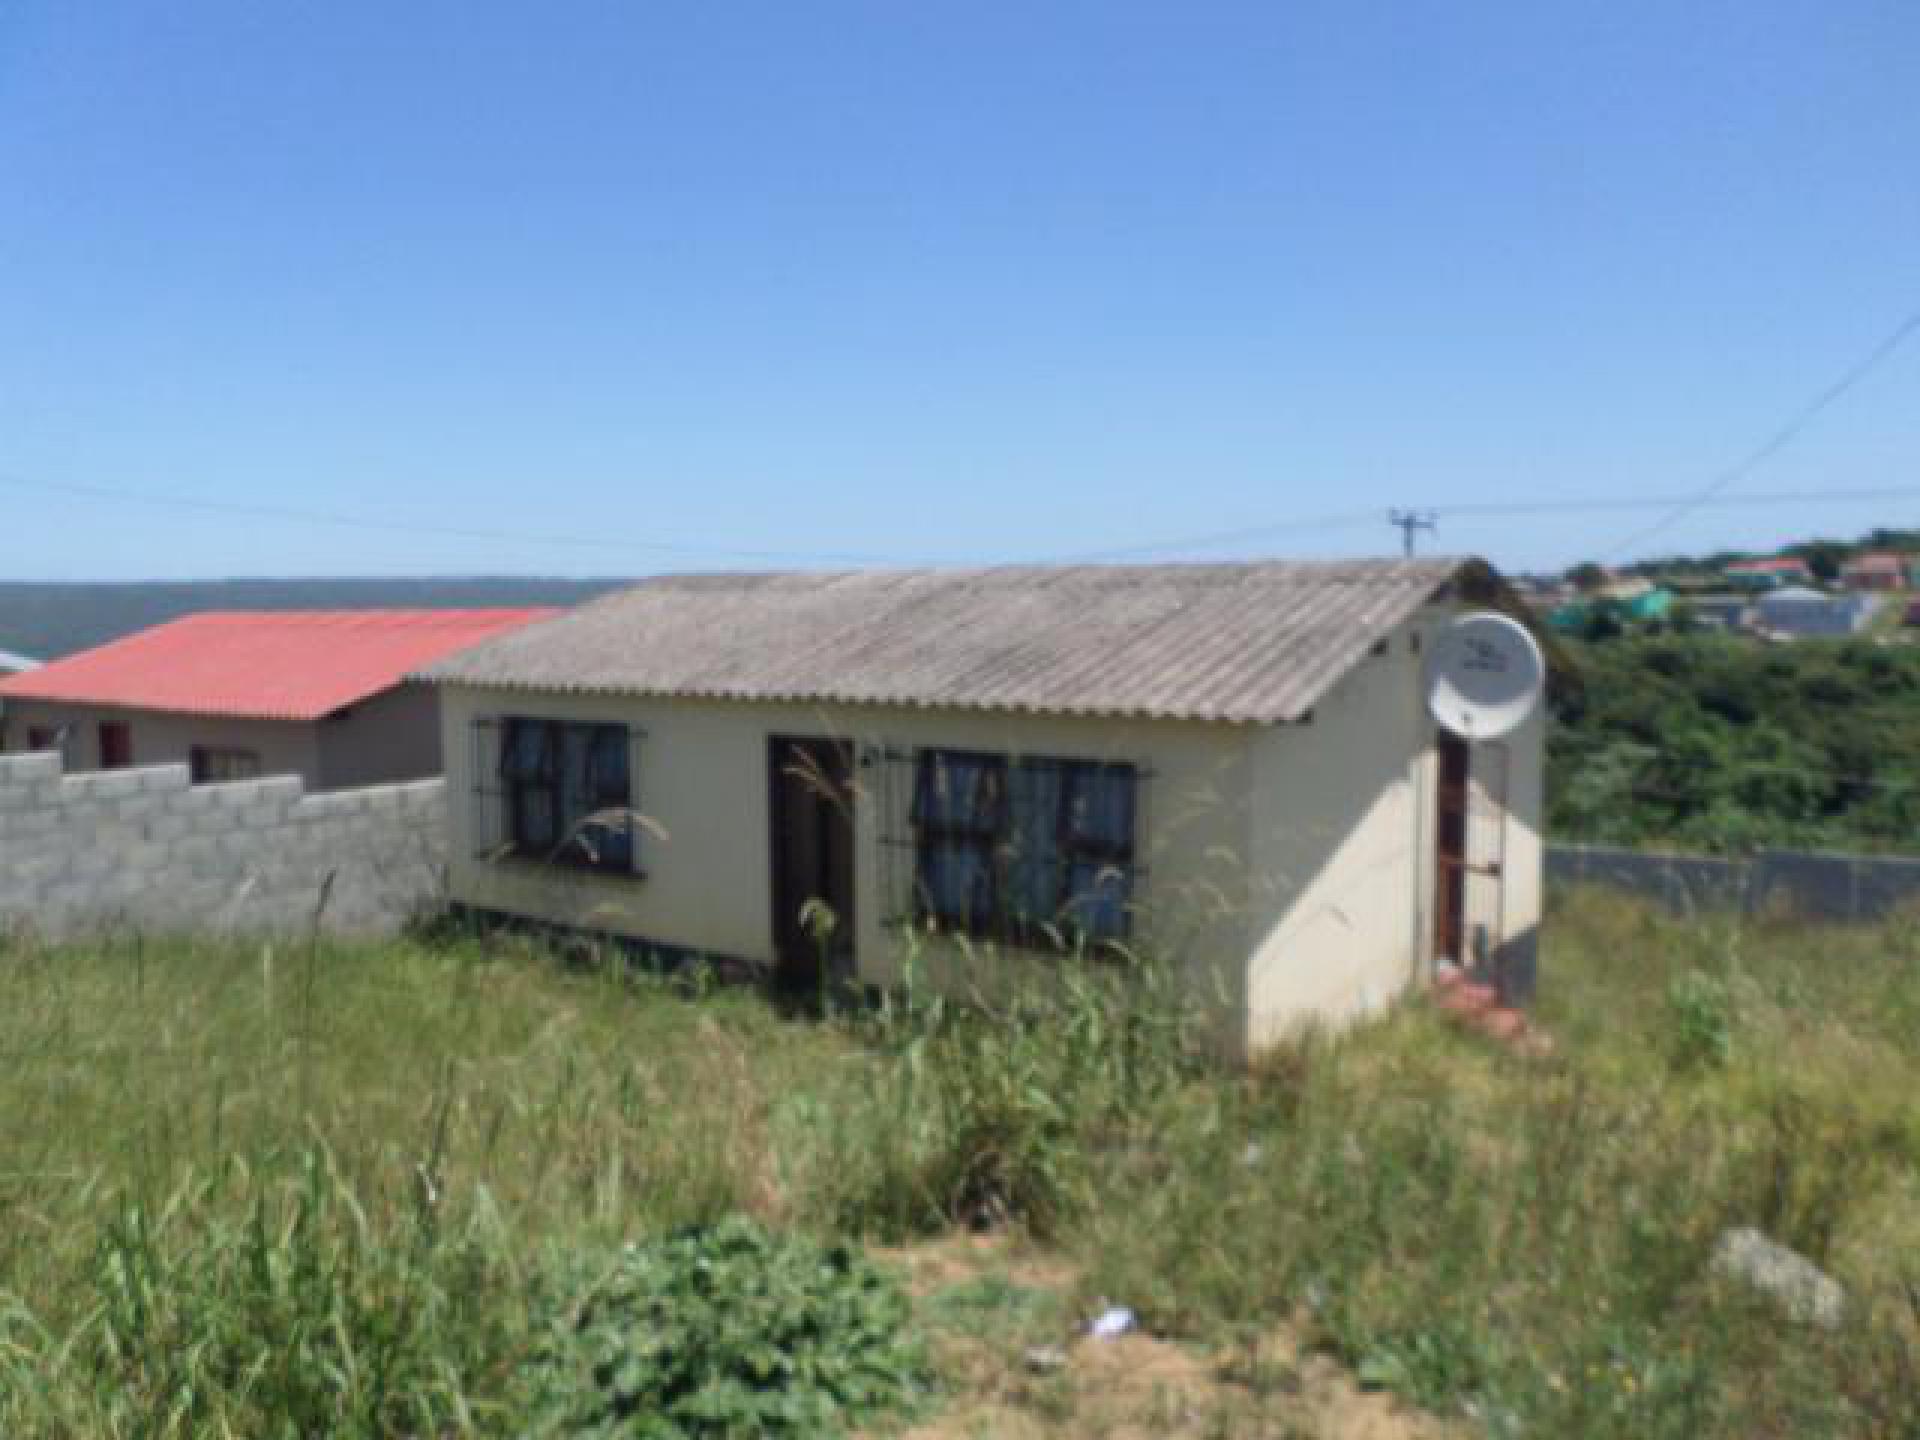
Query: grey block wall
[142,849]
[1816,885]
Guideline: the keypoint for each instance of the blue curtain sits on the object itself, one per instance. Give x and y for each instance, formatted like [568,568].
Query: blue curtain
[526,764]
[1096,828]
[1033,844]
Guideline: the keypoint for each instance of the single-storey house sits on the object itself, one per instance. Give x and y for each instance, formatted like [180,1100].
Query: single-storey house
[1879,570]
[1721,612]
[1230,767]
[318,694]
[12,663]
[1769,573]
[1803,614]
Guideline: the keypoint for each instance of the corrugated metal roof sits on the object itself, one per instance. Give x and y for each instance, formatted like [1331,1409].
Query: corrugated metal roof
[281,665]
[1251,642]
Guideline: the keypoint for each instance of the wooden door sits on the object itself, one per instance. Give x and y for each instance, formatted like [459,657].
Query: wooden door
[810,789]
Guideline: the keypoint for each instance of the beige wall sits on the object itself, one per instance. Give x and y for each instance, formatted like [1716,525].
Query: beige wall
[393,737]
[702,783]
[1344,839]
[161,738]
[1288,870]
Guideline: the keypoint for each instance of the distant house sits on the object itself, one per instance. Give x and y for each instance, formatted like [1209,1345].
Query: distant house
[12,664]
[1230,767]
[1879,571]
[1768,574]
[318,694]
[1722,612]
[1800,613]
[1630,600]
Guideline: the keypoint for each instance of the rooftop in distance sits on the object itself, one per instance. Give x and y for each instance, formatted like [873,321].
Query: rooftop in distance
[278,665]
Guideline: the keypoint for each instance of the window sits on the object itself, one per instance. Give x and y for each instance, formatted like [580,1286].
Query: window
[1026,850]
[43,737]
[116,745]
[211,764]
[568,793]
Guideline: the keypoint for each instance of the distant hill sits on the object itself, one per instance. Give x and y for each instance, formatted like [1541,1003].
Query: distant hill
[47,621]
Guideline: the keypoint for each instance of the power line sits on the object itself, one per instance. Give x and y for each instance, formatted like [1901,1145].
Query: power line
[303,516]
[1494,510]
[1780,438]
[1276,530]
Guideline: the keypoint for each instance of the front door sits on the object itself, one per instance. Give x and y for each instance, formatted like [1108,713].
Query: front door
[1450,860]
[810,785]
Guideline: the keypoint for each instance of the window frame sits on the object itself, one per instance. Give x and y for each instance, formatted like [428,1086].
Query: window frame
[619,850]
[117,755]
[203,760]
[998,849]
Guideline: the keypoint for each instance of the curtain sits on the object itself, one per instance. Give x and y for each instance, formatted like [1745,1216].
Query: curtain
[1032,851]
[1096,829]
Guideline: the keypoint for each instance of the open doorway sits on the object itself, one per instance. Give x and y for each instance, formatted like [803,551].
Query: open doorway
[1450,858]
[1470,840]
[810,787]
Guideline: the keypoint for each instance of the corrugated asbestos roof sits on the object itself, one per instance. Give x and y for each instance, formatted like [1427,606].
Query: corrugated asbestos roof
[1244,643]
[276,665]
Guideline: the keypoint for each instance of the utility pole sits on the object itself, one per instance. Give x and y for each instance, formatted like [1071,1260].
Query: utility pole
[1410,522]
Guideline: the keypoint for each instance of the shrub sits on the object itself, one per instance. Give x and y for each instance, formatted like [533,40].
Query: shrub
[728,1331]
[1699,1022]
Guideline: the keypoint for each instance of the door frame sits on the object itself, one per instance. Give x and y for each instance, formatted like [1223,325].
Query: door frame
[835,759]
[1450,851]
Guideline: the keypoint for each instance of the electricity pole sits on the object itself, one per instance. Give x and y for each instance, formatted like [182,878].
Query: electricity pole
[1410,522]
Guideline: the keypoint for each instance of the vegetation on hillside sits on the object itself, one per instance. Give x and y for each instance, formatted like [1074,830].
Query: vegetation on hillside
[354,1190]
[1823,556]
[1712,742]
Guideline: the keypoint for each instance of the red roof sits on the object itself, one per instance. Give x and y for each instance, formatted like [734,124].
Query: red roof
[1878,563]
[278,665]
[1777,565]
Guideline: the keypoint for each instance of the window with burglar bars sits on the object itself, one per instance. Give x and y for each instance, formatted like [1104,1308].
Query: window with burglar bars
[555,791]
[1034,850]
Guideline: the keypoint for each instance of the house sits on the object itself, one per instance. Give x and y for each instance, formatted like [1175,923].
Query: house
[1230,767]
[1629,601]
[12,664]
[318,694]
[1768,574]
[1720,612]
[1877,571]
[1802,614]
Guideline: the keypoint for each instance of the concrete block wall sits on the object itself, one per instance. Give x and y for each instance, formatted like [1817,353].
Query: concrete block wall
[142,849]
[1816,885]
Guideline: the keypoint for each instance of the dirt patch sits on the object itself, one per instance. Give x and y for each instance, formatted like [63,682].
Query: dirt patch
[1011,1344]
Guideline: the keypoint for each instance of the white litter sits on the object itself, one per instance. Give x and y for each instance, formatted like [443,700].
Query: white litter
[1112,1323]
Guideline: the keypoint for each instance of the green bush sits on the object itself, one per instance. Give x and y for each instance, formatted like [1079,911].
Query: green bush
[728,1331]
[1699,1022]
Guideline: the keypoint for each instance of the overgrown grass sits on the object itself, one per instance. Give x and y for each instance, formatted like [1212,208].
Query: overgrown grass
[293,1191]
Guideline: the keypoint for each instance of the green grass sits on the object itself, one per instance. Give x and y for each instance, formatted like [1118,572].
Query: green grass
[290,1191]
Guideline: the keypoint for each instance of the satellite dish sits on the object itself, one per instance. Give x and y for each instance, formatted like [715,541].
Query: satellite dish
[1485,676]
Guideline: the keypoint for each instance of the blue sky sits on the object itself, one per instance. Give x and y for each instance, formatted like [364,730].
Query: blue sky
[619,287]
